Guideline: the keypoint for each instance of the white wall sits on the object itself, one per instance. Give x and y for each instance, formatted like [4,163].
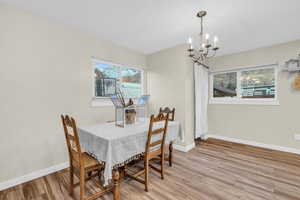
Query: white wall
[274,125]
[170,83]
[45,70]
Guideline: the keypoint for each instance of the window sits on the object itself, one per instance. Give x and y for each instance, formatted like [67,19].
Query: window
[108,77]
[225,85]
[259,83]
[255,85]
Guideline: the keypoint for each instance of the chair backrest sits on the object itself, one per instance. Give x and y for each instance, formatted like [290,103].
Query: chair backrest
[168,110]
[162,121]
[72,138]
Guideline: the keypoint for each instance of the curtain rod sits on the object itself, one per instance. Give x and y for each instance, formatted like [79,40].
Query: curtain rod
[243,68]
[203,65]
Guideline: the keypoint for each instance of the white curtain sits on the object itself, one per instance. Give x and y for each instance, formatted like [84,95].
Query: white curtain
[201,99]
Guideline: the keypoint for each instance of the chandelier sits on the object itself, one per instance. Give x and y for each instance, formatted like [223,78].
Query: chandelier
[206,49]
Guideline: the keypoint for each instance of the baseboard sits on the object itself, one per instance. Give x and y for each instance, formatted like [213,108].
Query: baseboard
[183,148]
[34,175]
[256,144]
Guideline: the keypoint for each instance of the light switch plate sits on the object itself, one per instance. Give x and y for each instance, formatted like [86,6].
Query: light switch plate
[297,136]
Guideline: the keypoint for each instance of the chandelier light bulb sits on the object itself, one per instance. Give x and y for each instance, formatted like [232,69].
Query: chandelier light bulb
[190,41]
[216,40]
[207,36]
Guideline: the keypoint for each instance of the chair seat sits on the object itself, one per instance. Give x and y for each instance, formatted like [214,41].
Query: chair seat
[89,162]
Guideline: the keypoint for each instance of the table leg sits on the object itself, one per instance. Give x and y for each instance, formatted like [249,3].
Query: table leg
[121,173]
[116,185]
[171,154]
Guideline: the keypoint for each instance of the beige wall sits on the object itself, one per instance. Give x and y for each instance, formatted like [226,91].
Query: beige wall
[45,70]
[170,83]
[267,124]
[276,125]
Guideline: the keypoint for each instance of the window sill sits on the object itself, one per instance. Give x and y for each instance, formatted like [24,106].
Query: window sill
[245,101]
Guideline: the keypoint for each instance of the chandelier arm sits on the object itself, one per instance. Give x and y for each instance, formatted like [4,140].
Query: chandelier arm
[194,58]
[212,55]
[207,51]
[203,64]
[199,58]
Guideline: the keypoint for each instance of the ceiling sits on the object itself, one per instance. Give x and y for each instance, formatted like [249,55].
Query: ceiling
[152,25]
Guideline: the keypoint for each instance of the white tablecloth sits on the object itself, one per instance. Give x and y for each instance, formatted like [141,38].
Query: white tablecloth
[115,145]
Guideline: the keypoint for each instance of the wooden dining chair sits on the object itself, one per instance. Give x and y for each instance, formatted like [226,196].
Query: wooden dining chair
[165,110]
[81,163]
[168,110]
[154,150]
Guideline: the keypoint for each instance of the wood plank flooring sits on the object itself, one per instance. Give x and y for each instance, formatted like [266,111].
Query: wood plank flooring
[214,170]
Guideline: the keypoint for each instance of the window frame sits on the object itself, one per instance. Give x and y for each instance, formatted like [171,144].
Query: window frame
[238,99]
[105,101]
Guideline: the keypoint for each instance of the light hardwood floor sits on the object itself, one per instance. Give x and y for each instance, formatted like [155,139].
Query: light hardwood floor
[214,170]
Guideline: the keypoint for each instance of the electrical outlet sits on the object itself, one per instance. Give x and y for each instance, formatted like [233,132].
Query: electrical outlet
[297,136]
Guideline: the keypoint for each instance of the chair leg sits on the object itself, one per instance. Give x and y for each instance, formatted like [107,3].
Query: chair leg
[82,183]
[162,166]
[71,180]
[146,174]
[100,175]
[171,154]
[90,174]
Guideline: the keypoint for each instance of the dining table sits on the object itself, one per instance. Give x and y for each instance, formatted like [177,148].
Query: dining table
[116,146]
